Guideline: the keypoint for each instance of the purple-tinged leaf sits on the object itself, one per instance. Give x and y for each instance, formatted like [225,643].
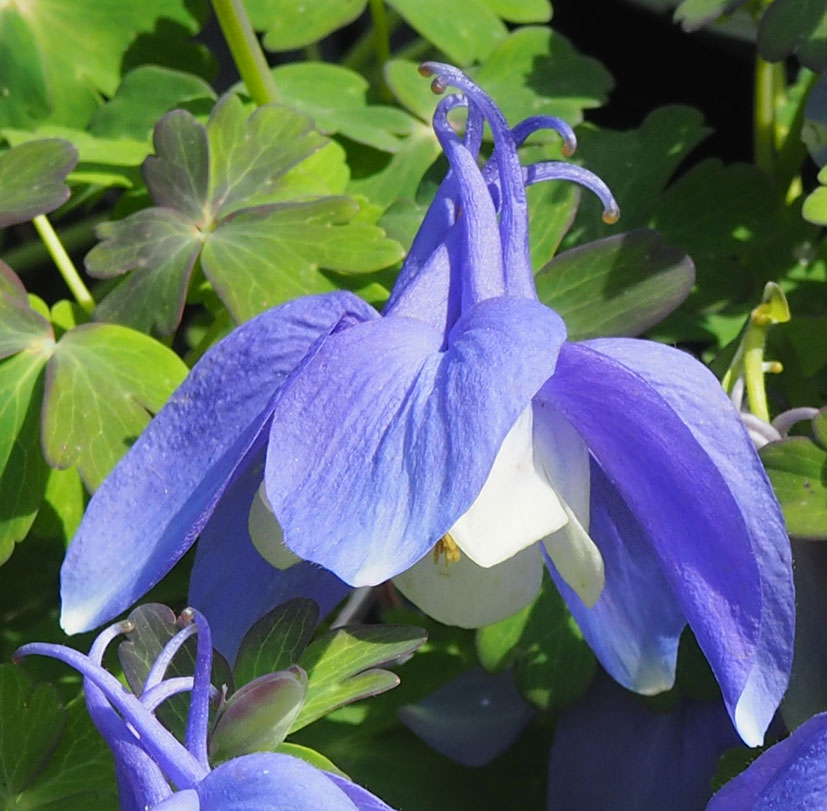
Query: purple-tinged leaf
[257,717]
[277,640]
[161,246]
[32,179]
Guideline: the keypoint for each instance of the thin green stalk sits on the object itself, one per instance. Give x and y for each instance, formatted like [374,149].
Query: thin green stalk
[361,54]
[75,238]
[381,32]
[64,264]
[246,51]
[754,341]
[764,115]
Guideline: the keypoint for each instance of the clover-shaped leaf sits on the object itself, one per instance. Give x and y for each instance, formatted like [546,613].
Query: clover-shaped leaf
[79,401]
[31,179]
[46,74]
[335,98]
[50,756]
[795,26]
[290,24]
[694,14]
[243,194]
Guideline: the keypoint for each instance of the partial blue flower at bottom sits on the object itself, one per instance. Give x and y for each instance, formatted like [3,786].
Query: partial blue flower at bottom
[456,442]
[790,776]
[150,761]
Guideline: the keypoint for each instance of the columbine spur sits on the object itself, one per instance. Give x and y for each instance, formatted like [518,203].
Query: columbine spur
[149,760]
[454,442]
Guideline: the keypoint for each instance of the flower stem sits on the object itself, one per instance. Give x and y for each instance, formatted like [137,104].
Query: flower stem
[381,32]
[64,264]
[764,115]
[246,51]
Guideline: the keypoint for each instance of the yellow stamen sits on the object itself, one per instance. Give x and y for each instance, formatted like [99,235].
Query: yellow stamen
[447,546]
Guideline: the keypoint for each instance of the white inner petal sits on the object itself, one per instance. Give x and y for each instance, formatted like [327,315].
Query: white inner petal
[471,596]
[267,535]
[565,459]
[517,505]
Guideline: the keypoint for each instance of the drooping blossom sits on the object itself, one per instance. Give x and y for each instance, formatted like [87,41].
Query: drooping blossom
[456,441]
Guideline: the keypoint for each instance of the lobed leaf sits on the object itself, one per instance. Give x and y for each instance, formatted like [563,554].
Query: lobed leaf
[102,384]
[694,14]
[795,27]
[291,24]
[32,179]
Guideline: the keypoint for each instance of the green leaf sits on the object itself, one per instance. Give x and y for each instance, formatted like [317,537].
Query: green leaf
[26,341]
[80,773]
[32,179]
[231,192]
[694,14]
[521,11]
[620,285]
[340,665]
[398,177]
[103,161]
[536,71]
[310,756]
[65,80]
[551,211]
[272,253]
[33,722]
[335,98]
[103,383]
[472,34]
[553,664]
[797,468]
[61,510]
[277,640]
[814,209]
[142,98]
[291,24]
[637,164]
[795,26]
[10,283]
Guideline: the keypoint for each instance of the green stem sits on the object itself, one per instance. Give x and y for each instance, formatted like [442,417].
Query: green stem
[361,54]
[75,238]
[754,369]
[764,115]
[64,264]
[381,32]
[246,51]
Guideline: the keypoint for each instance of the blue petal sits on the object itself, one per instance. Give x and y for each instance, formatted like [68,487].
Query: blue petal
[471,719]
[683,505]
[698,399]
[381,441]
[362,798]
[153,505]
[611,753]
[232,584]
[790,776]
[270,781]
[635,626]
[180,801]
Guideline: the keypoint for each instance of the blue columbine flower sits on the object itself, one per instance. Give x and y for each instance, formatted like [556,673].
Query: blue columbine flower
[149,760]
[455,442]
[790,776]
